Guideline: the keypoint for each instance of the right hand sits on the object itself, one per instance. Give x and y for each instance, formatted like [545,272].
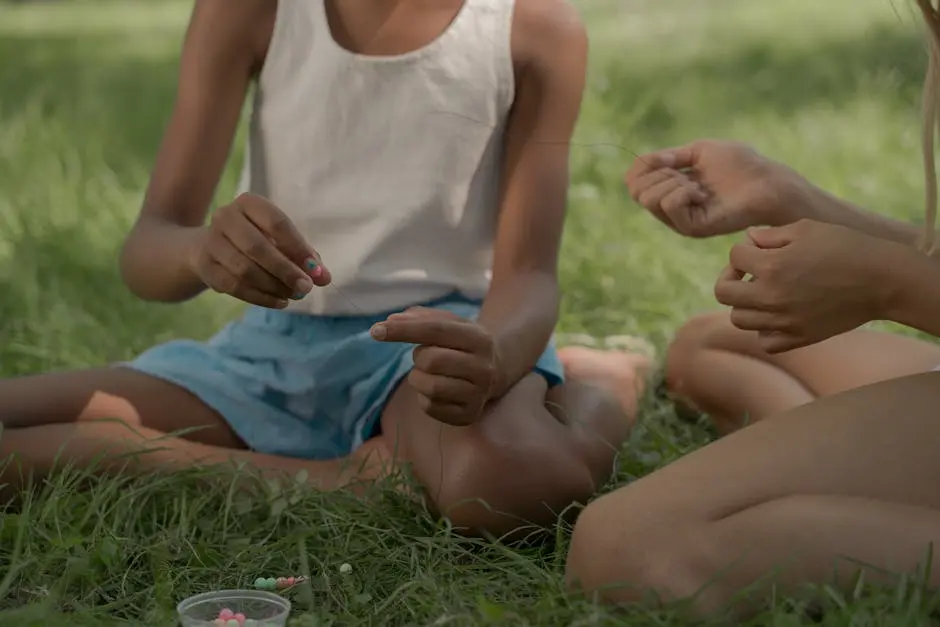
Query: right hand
[252,251]
[712,187]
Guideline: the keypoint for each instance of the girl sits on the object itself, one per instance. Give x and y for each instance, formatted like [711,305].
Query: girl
[400,153]
[827,487]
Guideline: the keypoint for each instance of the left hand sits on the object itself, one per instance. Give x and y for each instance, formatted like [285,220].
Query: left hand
[809,281]
[455,369]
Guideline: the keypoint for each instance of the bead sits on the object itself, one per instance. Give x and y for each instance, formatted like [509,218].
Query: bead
[291,581]
[345,569]
[281,583]
[260,582]
[226,613]
[240,618]
[219,622]
[232,623]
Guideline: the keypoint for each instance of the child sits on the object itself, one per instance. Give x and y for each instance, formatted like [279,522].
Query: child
[835,494]
[400,153]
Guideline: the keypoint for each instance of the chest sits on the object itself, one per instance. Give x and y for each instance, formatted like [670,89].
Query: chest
[389,27]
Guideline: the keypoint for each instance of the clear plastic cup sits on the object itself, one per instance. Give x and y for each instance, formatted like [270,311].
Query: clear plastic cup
[261,609]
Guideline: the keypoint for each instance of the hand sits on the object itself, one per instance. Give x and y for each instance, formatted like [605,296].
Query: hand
[713,187]
[253,252]
[809,281]
[455,369]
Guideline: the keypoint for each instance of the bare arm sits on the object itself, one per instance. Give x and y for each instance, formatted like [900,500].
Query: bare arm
[909,282]
[223,49]
[825,207]
[521,308]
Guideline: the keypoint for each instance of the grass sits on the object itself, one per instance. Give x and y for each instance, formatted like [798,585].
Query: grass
[830,87]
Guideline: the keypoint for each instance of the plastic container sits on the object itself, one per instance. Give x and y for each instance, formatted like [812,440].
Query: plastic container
[261,609]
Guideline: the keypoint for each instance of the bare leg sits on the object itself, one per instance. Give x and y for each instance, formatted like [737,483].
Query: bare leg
[121,394]
[533,454]
[616,372]
[844,482]
[114,446]
[718,369]
[109,417]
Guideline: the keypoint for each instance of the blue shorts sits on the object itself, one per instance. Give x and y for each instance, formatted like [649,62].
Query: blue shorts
[298,385]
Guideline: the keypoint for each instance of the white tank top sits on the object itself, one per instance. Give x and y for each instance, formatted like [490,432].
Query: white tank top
[389,166]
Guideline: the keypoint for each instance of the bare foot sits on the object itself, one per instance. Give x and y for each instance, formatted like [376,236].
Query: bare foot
[622,374]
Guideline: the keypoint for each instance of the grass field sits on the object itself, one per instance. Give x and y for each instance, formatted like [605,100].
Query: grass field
[85,88]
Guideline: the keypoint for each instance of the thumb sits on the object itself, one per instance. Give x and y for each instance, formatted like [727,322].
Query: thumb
[426,313]
[772,237]
[678,158]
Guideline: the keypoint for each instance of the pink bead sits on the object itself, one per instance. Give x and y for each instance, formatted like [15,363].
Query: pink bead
[281,582]
[240,618]
[291,581]
[226,614]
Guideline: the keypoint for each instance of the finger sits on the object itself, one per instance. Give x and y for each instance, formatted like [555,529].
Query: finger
[419,312]
[772,237]
[738,293]
[451,363]
[456,415]
[729,273]
[682,157]
[443,389]
[747,258]
[275,224]
[652,196]
[676,158]
[651,180]
[267,259]
[683,197]
[221,280]
[455,334]
[243,268]
[774,343]
[754,320]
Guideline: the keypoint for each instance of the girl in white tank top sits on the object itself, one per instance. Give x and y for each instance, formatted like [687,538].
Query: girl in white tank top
[407,156]
[389,167]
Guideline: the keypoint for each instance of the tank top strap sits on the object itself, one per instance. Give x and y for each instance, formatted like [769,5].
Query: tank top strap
[484,27]
[301,36]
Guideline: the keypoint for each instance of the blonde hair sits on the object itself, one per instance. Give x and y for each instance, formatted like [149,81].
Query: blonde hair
[931,110]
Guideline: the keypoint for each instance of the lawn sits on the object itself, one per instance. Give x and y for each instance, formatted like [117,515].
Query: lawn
[85,89]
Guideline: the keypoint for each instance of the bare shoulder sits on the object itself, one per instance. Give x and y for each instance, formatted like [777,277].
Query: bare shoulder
[547,30]
[237,31]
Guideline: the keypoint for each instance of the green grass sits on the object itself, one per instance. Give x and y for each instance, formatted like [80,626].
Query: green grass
[85,88]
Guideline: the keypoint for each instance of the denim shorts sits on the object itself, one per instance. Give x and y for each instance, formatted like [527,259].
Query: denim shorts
[299,385]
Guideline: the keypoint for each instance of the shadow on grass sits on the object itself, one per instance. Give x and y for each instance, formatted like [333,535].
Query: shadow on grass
[886,65]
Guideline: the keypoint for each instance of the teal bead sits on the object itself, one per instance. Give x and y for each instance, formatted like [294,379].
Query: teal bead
[261,583]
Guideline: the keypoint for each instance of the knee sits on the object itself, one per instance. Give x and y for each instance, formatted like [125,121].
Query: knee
[620,554]
[692,338]
[499,489]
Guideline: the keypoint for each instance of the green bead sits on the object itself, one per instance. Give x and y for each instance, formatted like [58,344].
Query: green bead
[260,583]
[271,583]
